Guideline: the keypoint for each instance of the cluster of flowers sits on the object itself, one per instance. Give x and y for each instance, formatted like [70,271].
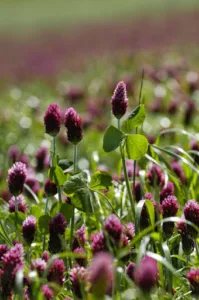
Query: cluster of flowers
[98,275]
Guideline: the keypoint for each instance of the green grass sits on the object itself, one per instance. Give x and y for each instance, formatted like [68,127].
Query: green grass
[23,15]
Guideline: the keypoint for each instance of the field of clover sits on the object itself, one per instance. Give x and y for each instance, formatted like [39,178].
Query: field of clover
[99,188]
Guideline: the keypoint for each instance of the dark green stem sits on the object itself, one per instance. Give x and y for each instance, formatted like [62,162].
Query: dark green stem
[126,178]
[44,237]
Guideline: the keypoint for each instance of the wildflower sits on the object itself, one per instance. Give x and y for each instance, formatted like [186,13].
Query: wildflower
[129,230]
[114,228]
[137,191]
[80,260]
[195,146]
[169,209]
[52,119]
[176,167]
[16,178]
[12,262]
[80,238]
[187,241]
[73,124]
[191,213]
[146,274]
[57,226]
[101,274]
[98,242]
[119,100]
[78,277]
[166,191]
[39,265]
[155,176]
[144,218]
[42,158]
[56,272]
[193,278]
[47,292]
[45,256]
[29,228]
[190,108]
[50,188]
[21,203]
[130,270]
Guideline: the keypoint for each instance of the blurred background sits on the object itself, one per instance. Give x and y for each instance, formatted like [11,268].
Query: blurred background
[41,39]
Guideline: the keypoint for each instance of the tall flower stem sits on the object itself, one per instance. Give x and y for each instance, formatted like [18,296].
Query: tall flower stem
[126,178]
[73,215]
[16,217]
[44,237]
[54,165]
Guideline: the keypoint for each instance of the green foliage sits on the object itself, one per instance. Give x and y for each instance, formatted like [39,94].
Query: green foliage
[136,146]
[112,139]
[134,119]
[100,181]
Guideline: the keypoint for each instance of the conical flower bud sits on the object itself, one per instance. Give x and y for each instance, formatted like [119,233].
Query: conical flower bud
[52,119]
[119,100]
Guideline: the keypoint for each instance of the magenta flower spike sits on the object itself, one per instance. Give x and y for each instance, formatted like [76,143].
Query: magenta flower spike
[16,178]
[119,100]
[52,119]
[73,124]
[29,229]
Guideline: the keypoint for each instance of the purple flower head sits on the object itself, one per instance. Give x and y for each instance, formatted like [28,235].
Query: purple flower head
[52,119]
[39,265]
[3,250]
[29,228]
[13,154]
[98,242]
[144,218]
[191,213]
[12,262]
[193,278]
[155,176]
[56,272]
[195,146]
[130,270]
[169,208]
[22,206]
[119,100]
[129,230]
[82,260]
[137,191]
[16,178]
[42,158]
[167,191]
[114,228]
[146,274]
[50,188]
[78,277]
[73,124]
[80,238]
[101,274]
[47,292]
[58,224]
[45,256]
[187,241]
[176,167]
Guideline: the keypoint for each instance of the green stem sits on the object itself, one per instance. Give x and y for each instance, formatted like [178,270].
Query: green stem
[73,214]
[45,212]
[74,158]
[126,178]
[197,250]
[54,150]
[16,217]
